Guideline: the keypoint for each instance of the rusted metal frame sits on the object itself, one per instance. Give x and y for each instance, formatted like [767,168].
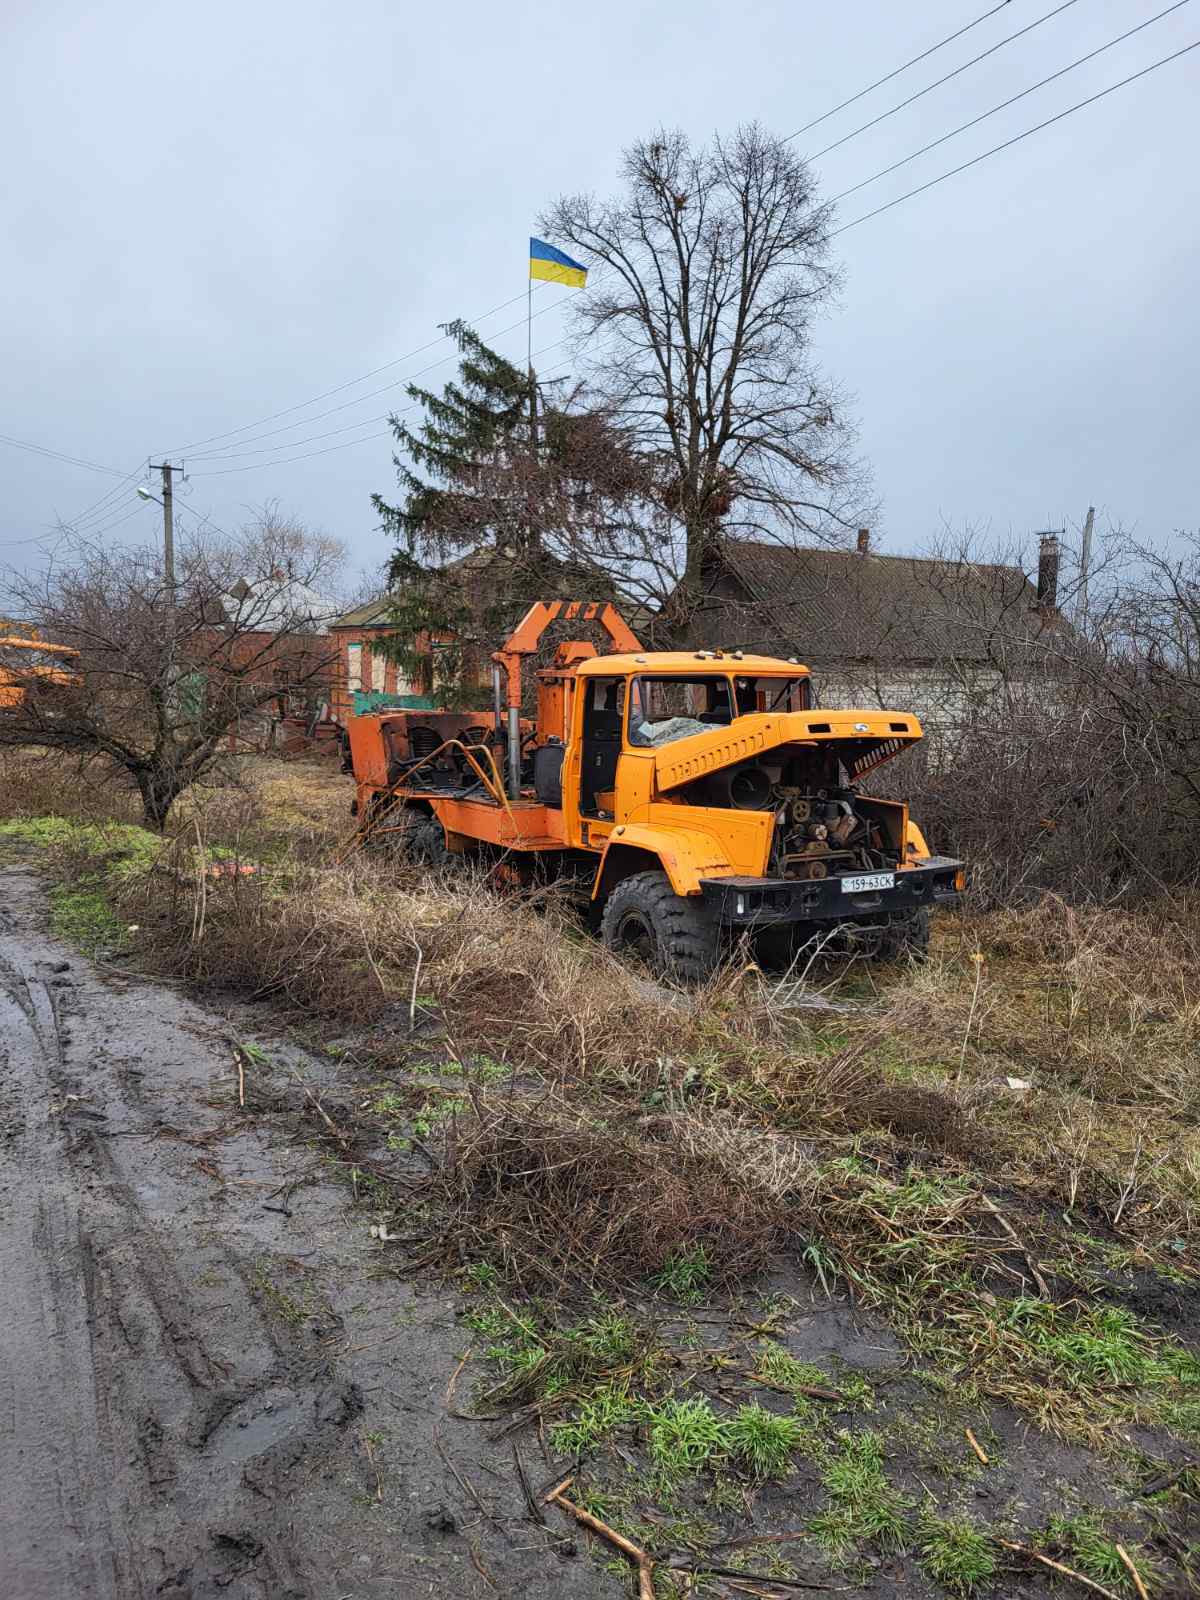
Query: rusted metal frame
[494,785]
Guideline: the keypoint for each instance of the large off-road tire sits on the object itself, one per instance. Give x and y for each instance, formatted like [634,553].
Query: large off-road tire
[675,936]
[906,940]
[425,843]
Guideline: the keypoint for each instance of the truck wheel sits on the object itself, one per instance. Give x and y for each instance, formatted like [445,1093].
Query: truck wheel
[674,935]
[907,939]
[425,843]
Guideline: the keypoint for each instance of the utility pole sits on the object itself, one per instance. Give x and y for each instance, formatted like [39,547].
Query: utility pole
[168,524]
[168,506]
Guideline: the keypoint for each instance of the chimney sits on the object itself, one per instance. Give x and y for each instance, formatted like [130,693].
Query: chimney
[864,541]
[1047,578]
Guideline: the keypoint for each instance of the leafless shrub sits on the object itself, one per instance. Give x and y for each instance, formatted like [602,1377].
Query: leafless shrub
[166,669]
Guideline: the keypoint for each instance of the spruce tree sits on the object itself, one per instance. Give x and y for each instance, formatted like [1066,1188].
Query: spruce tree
[447,510]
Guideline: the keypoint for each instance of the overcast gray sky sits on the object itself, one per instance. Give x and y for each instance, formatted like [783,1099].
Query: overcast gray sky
[216,213]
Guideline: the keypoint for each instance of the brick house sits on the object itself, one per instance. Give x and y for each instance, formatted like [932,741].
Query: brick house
[364,677]
[276,633]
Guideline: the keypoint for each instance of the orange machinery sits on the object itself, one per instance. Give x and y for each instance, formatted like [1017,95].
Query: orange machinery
[28,665]
[687,793]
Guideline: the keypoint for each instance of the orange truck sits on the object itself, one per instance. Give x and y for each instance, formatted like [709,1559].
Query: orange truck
[31,667]
[688,796]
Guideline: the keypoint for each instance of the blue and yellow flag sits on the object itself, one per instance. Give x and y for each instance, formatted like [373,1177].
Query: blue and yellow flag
[547,262]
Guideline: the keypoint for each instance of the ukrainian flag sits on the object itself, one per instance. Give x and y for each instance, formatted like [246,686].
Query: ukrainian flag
[547,262]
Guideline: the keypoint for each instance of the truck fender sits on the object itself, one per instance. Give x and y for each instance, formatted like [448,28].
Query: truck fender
[685,854]
[915,847]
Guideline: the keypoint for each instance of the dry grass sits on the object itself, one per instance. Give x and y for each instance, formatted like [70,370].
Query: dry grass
[44,783]
[638,1128]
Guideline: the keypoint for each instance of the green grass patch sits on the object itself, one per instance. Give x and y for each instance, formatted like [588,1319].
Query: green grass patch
[83,918]
[132,849]
[956,1554]
[685,1277]
[1084,1542]
[762,1441]
[780,1369]
[685,1435]
[863,1506]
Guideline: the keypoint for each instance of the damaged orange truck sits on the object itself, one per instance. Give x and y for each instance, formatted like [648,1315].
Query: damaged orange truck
[688,796]
[29,667]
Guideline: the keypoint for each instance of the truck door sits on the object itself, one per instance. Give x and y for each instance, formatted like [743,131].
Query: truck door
[603,718]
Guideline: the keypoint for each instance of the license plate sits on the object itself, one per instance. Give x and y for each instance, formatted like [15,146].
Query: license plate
[868,882]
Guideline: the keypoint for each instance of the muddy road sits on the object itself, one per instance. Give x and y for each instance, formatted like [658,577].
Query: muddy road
[206,1387]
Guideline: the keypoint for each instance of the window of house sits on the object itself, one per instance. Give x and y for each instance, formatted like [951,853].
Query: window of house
[354,667]
[378,671]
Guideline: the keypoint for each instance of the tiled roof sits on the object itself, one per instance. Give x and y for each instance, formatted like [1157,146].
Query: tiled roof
[832,605]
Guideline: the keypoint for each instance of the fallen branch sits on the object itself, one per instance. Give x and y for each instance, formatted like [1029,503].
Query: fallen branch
[706,1569]
[643,1563]
[1133,1572]
[535,1510]
[553,1494]
[976,1446]
[469,1488]
[1057,1566]
[808,1389]
[1042,1287]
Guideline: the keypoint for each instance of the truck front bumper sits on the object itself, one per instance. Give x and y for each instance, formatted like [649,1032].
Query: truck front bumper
[767,902]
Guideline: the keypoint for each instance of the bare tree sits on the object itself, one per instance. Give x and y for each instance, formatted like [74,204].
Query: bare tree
[707,275]
[164,675]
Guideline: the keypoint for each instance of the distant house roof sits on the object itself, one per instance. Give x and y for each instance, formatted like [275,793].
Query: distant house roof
[828,606]
[374,613]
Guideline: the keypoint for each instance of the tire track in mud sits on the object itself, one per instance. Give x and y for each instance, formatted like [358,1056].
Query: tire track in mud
[151,1413]
[54,1522]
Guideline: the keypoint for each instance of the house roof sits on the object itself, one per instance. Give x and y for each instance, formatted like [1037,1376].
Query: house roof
[372,614]
[831,606]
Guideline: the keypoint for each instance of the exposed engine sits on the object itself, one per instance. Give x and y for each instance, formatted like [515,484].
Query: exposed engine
[823,826]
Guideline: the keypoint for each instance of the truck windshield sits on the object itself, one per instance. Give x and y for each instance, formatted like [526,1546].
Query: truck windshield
[664,709]
[771,694]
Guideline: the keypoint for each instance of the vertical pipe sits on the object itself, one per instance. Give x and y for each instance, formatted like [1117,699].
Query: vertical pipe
[497,702]
[514,752]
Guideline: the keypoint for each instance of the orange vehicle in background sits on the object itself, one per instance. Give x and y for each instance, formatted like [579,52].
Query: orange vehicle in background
[29,666]
[686,795]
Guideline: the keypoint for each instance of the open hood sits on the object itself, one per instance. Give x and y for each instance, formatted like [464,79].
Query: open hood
[865,740]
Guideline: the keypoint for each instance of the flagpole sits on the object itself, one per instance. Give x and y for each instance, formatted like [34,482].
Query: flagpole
[529,360]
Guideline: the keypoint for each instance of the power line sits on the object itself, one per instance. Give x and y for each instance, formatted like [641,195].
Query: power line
[1012,100]
[1016,139]
[57,455]
[963,167]
[102,507]
[929,88]
[350,383]
[107,527]
[382,433]
[895,73]
[370,395]
[303,405]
